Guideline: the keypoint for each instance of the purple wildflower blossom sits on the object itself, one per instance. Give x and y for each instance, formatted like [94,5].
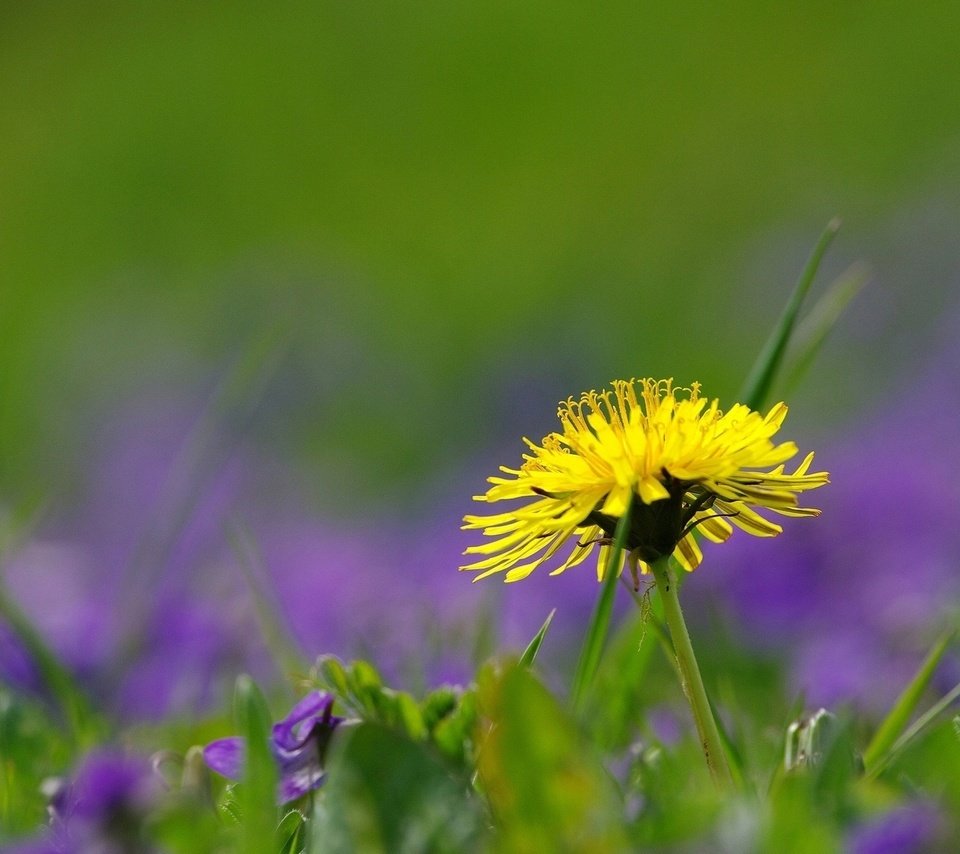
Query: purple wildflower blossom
[103,805]
[298,743]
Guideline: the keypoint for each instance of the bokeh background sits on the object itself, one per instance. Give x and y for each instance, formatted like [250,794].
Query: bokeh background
[280,285]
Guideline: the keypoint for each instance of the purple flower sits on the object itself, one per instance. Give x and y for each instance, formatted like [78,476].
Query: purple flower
[103,806]
[298,743]
[910,829]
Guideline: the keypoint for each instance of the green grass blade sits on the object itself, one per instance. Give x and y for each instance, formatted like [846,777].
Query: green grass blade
[917,728]
[69,697]
[530,653]
[282,647]
[898,716]
[813,330]
[596,634]
[764,371]
[258,792]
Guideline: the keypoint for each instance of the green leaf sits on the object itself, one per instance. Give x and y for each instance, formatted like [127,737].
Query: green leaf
[596,636]
[290,832]
[256,796]
[546,788]
[331,675]
[438,704]
[453,736]
[898,716]
[764,371]
[386,794]
[530,653]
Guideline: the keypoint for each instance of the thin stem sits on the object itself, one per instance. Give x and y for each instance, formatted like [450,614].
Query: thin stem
[691,680]
[596,636]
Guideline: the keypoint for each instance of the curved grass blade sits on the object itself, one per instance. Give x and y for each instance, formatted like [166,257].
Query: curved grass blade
[898,716]
[530,653]
[764,371]
[596,635]
[69,697]
[814,329]
[283,649]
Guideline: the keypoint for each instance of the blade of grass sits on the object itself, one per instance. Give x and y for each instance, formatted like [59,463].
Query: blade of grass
[764,371]
[530,653]
[258,792]
[68,696]
[202,455]
[283,649]
[813,330]
[925,720]
[897,718]
[596,634]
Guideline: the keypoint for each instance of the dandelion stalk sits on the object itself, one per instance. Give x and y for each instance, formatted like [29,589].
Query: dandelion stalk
[691,680]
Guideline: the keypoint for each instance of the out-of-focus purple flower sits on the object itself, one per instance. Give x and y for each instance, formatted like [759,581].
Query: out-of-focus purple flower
[912,829]
[103,805]
[140,568]
[298,743]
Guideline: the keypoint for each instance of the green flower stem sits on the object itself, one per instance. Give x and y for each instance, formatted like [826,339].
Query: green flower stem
[691,680]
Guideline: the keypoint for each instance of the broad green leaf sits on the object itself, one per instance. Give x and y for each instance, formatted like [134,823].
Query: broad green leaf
[530,653]
[386,794]
[546,788]
[764,371]
[897,718]
[257,794]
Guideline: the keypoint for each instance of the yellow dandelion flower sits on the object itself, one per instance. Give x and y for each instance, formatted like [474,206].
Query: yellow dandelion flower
[688,464]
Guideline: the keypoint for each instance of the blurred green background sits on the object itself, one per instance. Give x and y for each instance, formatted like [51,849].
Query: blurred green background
[451,214]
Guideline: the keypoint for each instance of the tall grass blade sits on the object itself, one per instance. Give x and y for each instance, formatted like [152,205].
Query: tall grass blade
[282,647]
[69,697]
[596,635]
[764,371]
[258,793]
[813,330]
[898,716]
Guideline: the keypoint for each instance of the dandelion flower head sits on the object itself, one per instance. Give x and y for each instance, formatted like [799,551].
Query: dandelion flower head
[679,462]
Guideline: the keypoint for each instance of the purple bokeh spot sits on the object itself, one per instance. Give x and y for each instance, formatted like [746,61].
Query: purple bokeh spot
[912,829]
